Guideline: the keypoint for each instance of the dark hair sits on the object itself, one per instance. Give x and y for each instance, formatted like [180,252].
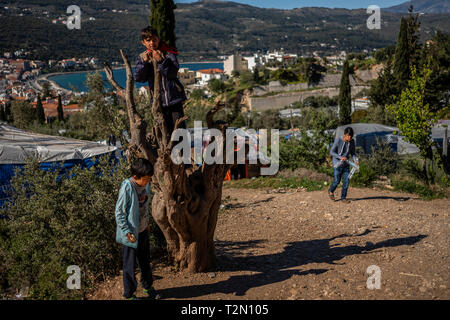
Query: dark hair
[148,32]
[349,131]
[141,167]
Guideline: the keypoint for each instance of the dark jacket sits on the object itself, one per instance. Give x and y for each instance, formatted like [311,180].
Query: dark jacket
[172,91]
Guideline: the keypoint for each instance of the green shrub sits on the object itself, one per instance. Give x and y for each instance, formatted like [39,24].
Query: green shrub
[383,160]
[307,152]
[4,263]
[56,222]
[359,116]
[365,176]
[412,186]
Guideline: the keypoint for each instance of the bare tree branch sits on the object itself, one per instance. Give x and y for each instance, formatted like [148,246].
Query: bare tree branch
[110,77]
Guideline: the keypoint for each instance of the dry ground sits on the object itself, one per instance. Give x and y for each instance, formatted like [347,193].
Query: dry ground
[300,245]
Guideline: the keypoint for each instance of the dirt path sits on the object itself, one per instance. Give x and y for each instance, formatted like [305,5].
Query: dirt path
[300,245]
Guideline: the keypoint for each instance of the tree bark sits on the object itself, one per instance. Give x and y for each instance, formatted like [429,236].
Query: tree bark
[186,200]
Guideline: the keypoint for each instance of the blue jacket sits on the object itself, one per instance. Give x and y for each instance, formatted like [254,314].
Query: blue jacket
[342,149]
[127,213]
[172,91]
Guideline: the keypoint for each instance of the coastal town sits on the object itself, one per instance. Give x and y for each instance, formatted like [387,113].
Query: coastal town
[23,79]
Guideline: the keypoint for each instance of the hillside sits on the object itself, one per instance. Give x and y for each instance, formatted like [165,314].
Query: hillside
[204,30]
[425,6]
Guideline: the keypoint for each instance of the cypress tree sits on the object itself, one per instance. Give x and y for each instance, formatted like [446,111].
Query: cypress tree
[2,113]
[413,24]
[60,109]
[8,111]
[402,54]
[345,98]
[162,18]
[40,110]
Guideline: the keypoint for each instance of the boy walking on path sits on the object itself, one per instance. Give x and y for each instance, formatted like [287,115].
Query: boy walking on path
[133,228]
[340,151]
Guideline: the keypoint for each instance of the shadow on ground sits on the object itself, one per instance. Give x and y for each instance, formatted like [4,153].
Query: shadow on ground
[273,268]
[381,198]
[247,204]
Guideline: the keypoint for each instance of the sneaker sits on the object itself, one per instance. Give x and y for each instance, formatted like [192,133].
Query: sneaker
[345,201]
[331,195]
[133,297]
[152,294]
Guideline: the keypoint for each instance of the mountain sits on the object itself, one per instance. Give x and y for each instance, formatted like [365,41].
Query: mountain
[423,6]
[204,30]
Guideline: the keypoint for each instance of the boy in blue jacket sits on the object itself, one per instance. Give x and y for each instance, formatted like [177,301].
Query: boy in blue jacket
[340,151]
[133,228]
[172,91]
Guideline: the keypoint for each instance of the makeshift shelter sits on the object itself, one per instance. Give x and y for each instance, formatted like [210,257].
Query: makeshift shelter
[17,145]
[366,135]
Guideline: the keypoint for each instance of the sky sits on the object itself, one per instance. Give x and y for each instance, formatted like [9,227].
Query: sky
[290,4]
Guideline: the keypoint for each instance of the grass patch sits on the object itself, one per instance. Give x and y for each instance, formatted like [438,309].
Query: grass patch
[276,182]
[402,183]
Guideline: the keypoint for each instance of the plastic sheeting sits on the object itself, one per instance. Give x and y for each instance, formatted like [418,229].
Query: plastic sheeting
[16,145]
[55,153]
[366,135]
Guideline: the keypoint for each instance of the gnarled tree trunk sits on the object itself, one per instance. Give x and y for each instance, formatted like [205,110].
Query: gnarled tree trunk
[186,200]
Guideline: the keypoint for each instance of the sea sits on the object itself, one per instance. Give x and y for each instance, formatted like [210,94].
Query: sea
[76,81]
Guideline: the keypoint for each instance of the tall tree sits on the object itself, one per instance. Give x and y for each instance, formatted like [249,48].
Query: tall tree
[186,198]
[382,93]
[23,114]
[437,53]
[60,109]
[45,89]
[162,18]
[345,96]
[312,71]
[402,57]
[414,117]
[40,110]
[413,24]
[2,113]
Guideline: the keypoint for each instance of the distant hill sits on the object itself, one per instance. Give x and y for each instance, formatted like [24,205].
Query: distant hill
[204,29]
[424,6]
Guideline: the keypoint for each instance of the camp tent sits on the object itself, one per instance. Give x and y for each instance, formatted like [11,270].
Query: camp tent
[366,135]
[17,145]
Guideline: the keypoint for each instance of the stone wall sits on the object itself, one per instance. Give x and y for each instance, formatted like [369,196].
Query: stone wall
[285,99]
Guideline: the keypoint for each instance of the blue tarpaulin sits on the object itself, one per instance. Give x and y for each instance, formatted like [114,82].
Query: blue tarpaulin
[54,153]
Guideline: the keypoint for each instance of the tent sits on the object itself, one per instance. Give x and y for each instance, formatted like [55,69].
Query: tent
[366,135]
[17,145]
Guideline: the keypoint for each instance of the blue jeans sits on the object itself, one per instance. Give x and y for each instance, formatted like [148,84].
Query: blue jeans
[341,172]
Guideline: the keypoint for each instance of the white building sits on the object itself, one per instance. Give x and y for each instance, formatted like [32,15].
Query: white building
[288,113]
[208,74]
[360,104]
[251,62]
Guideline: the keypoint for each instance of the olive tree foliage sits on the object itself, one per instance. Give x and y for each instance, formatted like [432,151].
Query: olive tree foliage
[413,115]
